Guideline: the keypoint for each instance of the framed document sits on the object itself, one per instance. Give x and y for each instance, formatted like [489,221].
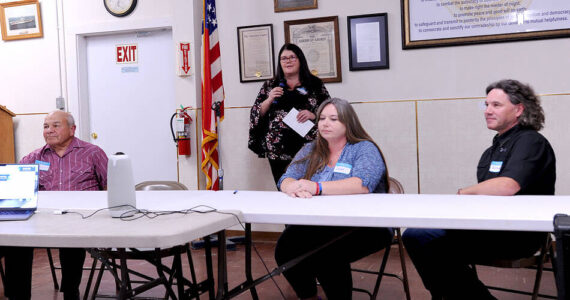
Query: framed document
[368,42]
[20,20]
[255,46]
[289,5]
[318,38]
[451,22]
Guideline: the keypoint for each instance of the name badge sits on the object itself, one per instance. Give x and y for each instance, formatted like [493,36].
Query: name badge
[342,168]
[44,165]
[302,90]
[495,166]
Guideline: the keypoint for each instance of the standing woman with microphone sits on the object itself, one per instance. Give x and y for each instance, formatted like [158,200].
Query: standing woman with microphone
[292,87]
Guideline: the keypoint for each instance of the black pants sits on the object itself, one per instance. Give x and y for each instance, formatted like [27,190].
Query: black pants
[19,272]
[331,265]
[71,260]
[18,264]
[443,257]
[278,168]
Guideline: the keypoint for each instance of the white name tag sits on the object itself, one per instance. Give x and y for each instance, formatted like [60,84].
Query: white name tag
[342,168]
[495,166]
[44,165]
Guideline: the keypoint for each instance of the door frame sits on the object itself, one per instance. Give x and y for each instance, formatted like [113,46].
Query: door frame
[78,90]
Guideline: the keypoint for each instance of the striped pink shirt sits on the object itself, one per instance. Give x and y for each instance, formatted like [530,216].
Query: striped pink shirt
[83,167]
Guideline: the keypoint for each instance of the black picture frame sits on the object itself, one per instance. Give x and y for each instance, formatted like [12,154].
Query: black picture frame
[255,53]
[368,42]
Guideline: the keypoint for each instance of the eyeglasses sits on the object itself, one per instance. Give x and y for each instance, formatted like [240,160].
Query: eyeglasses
[288,58]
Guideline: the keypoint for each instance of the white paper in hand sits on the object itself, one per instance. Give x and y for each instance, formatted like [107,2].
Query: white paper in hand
[301,128]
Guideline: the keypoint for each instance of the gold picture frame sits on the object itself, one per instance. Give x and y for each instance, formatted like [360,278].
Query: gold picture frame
[289,5]
[319,40]
[21,20]
[432,24]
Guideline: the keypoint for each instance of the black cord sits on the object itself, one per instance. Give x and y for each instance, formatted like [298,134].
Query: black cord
[134,214]
[100,210]
[258,254]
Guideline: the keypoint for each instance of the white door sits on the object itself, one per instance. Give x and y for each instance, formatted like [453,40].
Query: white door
[130,105]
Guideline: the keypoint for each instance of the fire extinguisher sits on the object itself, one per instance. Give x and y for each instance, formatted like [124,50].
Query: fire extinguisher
[182,135]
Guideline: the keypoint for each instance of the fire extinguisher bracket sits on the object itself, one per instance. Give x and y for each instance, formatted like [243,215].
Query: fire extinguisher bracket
[182,125]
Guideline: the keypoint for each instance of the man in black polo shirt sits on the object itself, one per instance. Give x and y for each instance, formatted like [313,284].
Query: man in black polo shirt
[520,162]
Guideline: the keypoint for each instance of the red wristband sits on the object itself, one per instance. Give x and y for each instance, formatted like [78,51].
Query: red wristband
[317,191]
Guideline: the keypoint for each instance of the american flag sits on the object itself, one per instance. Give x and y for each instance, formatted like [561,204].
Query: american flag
[212,93]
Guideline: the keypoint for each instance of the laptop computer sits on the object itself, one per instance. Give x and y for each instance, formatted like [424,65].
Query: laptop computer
[18,191]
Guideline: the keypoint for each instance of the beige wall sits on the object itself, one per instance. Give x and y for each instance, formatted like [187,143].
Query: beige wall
[425,111]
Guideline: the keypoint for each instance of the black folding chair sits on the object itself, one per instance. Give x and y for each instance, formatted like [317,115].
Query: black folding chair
[395,188]
[535,261]
[562,256]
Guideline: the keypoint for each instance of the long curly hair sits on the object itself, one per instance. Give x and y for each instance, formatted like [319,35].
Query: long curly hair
[355,133]
[533,114]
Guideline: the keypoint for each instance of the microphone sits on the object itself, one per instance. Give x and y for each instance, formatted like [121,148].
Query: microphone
[283,85]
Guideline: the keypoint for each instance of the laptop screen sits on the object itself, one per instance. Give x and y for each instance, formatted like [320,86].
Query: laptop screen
[18,186]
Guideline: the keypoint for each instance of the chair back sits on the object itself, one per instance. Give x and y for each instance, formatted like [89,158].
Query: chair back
[395,186]
[160,186]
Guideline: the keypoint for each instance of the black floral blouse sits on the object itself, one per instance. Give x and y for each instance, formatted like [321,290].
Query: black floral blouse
[269,136]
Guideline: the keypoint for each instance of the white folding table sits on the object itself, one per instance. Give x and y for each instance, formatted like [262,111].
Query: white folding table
[48,228]
[519,213]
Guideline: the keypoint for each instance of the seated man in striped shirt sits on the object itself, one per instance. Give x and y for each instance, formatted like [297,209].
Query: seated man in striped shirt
[66,164]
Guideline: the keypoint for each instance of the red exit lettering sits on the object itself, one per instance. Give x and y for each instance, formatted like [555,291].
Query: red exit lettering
[127,54]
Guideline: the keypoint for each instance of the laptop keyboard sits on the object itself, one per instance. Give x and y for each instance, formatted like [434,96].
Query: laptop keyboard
[15,212]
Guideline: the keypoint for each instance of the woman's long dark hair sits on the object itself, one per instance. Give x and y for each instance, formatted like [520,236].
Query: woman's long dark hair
[355,133]
[307,79]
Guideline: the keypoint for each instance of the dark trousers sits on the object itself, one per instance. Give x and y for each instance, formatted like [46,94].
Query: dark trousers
[19,272]
[331,265]
[278,168]
[443,258]
[71,260]
[18,264]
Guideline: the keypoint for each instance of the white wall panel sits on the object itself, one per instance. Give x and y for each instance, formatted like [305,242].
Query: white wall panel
[452,133]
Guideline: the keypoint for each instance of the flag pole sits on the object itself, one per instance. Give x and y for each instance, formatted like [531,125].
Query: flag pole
[216,107]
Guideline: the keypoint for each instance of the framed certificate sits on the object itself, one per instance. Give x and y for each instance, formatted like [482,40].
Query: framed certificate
[20,20]
[318,38]
[368,42]
[448,23]
[255,46]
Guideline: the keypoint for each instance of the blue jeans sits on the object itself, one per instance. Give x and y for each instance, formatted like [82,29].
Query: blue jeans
[443,258]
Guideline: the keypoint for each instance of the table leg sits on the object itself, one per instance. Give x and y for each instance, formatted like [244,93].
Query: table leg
[177,271]
[222,267]
[209,268]
[248,276]
[124,274]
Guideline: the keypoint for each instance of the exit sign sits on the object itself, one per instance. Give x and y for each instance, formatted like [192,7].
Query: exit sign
[127,54]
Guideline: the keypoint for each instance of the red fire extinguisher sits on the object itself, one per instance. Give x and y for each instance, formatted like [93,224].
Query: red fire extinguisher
[182,136]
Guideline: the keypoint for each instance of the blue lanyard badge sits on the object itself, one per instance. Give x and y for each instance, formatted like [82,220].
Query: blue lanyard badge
[44,165]
[342,168]
[495,166]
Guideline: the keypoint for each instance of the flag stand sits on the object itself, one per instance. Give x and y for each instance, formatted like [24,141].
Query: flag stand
[230,242]
[216,107]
